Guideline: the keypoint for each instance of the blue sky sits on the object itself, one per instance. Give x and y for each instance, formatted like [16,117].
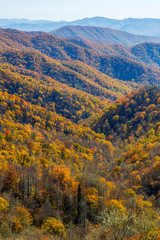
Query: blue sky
[72,9]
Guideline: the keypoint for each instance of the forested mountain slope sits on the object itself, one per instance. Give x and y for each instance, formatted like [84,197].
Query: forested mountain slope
[74,151]
[103,35]
[118,67]
[49,166]
[132,115]
[133,124]
[146,53]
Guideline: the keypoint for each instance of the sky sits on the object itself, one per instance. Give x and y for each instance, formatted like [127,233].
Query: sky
[70,10]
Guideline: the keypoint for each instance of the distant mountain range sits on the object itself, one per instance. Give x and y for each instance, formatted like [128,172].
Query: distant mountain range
[62,71]
[59,72]
[73,145]
[144,26]
[19,48]
[103,35]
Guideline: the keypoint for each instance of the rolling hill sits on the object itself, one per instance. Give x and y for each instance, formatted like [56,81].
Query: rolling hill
[132,115]
[55,48]
[73,88]
[103,35]
[75,151]
[133,123]
[41,150]
[146,53]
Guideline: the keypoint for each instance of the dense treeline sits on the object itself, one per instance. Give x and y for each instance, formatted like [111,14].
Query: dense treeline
[74,74]
[132,115]
[73,165]
[133,123]
[44,158]
[45,91]
[123,67]
[147,53]
[56,173]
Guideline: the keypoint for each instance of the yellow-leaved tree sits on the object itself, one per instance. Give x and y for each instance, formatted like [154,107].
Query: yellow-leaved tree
[54,227]
[22,219]
[4,205]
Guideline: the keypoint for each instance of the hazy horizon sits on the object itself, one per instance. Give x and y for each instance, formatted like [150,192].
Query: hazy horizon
[67,20]
[69,10]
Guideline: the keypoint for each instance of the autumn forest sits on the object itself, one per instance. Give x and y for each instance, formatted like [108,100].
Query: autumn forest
[79,136]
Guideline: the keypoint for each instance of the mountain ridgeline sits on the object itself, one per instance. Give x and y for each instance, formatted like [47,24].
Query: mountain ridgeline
[103,35]
[144,26]
[79,135]
[132,115]
[119,67]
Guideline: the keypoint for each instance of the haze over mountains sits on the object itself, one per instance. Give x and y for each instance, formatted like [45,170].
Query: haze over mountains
[79,132]
[144,26]
[103,35]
